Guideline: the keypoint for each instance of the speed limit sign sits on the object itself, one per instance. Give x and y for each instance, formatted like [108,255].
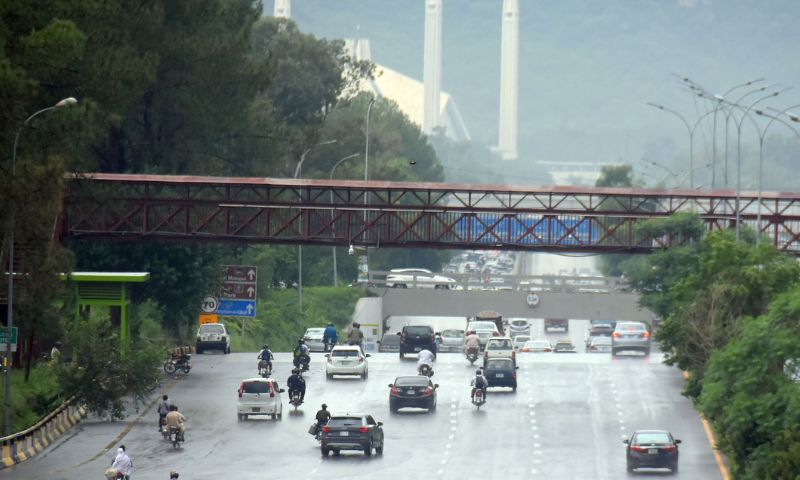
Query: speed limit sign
[209,304]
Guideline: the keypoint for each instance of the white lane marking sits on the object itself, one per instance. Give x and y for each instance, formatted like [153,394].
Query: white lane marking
[619,413]
[537,461]
[440,471]
[453,414]
[533,470]
[444,460]
[531,413]
[533,420]
[534,427]
[536,435]
[453,428]
[451,437]
[452,420]
[537,452]
[449,445]
[530,405]
[622,427]
[537,445]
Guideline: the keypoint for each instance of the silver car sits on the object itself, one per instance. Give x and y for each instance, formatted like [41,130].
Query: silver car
[452,340]
[630,336]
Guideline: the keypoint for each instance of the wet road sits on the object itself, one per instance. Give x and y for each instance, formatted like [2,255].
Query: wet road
[566,421]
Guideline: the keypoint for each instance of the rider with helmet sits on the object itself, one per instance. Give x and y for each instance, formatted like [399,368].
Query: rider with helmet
[323,415]
[479,383]
[426,357]
[301,355]
[265,359]
[296,383]
[330,337]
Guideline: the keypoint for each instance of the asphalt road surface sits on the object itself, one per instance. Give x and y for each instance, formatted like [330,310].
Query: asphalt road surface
[566,421]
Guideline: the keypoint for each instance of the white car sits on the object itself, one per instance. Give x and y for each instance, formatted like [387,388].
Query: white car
[259,396]
[499,347]
[537,346]
[519,326]
[484,329]
[418,277]
[313,338]
[520,340]
[212,336]
[346,360]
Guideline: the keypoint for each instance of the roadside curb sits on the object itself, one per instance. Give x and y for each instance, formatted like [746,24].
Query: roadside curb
[719,457]
[21,446]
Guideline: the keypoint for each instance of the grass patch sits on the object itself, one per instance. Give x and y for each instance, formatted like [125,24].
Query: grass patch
[32,400]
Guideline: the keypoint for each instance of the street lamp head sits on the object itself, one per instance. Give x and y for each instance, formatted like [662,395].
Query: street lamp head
[412,162]
[660,107]
[719,97]
[66,102]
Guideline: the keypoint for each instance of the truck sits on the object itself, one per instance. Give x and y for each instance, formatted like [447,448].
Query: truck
[491,316]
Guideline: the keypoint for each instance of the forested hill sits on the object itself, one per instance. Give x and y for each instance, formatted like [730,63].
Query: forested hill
[586,67]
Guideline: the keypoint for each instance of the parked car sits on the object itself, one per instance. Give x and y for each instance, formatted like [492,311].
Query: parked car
[564,346]
[313,338]
[537,346]
[519,326]
[630,336]
[212,336]
[560,324]
[390,342]
[259,396]
[346,360]
[419,278]
[499,347]
[352,431]
[484,329]
[599,344]
[520,340]
[412,391]
[501,372]
[451,340]
[651,449]
[415,338]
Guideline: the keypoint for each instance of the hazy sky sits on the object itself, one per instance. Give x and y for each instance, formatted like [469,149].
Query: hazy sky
[586,67]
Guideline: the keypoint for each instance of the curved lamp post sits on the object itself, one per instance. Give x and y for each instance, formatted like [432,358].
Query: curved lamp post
[10,326]
[333,170]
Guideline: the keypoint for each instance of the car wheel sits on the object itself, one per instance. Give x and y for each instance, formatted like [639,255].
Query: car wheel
[365,375]
[379,450]
[613,352]
[630,467]
[514,388]
[227,349]
[325,451]
[368,449]
[647,353]
[402,355]
[240,417]
[432,408]
[674,468]
[336,452]
[329,376]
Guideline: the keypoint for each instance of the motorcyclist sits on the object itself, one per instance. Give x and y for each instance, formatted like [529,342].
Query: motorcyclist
[323,415]
[329,337]
[265,358]
[472,342]
[479,383]
[296,383]
[176,419]
[426,357]
[301,356]
[163,410]
[355,336]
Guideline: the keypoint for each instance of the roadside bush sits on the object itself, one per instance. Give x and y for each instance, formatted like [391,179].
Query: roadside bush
[34,399]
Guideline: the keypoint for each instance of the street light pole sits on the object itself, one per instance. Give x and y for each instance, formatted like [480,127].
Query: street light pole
[739,156]
[761,138]
[10,312]
[366,179]
[297,173]
[690,130]
[333,170]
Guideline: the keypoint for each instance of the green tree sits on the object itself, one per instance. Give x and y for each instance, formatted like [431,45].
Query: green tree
[614,176]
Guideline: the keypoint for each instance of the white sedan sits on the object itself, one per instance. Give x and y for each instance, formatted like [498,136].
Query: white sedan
[346,360]
[314,339]
[418,277]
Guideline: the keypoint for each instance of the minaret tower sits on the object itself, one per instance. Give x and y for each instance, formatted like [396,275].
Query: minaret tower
[283,9]
[432,69]
[509,80]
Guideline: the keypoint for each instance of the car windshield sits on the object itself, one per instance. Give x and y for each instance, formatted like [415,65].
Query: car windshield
[418,330]
[519,323]
[498,345]
[482,326]
[521,339]
[314,331]
[631,327]
[209,328]
[255,387]
[415,381]
[453,333]
[345,422]
[344,353]
[498,364]
[651,437]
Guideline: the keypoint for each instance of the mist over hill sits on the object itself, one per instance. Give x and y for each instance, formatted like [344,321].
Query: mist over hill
[586,69]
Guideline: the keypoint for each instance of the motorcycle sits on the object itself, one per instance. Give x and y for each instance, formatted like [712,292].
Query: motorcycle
[303,360]
[295,401]
[264,368]
[175,437]
[478,399]
[178,363]
[329,345]
[425,370]
[472,355]
[162,426]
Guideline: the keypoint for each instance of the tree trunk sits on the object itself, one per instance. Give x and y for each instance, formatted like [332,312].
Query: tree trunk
[29,355]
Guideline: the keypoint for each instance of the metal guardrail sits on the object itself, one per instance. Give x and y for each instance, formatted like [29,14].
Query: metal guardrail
[522,283]
[23,445]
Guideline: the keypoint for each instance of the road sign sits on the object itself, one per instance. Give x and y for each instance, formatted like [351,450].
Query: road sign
[238,282]
[207,318]
[236,308]
[209,304]
[4,341]
[532,299]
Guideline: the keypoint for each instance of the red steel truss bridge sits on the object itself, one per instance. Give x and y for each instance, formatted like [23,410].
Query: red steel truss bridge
[403,214]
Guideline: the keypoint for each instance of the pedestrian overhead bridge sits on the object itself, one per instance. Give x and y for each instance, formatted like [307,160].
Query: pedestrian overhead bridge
[403,214]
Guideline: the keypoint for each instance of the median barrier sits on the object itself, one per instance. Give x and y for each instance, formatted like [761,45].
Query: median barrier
[21,446]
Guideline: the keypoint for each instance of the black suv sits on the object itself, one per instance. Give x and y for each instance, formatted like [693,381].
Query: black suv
[416,338]
[353,431]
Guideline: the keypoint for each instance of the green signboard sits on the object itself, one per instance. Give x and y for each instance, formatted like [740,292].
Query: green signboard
[4,335]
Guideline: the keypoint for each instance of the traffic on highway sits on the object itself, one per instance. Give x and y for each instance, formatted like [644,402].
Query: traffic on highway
[566,416]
